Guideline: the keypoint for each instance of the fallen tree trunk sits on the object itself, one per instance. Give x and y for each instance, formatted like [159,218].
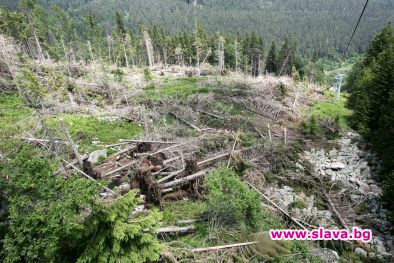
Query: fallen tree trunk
[205,249]
[140,141]
[176,229]
[189,221]
[335,211]
[125,151]
[214,158]
[211,114]
[120,168]
[185,179]
[28,139]
[186,122]
[277,207]
[117,144]
[170,176]
[87,176]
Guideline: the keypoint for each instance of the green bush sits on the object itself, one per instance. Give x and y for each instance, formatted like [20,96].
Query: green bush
[148,75]
[63,220]
[297,204]
[311,127]
[283,91]
[230,201]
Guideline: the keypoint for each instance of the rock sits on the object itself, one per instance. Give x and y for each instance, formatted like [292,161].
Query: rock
[345,142]
[95,156]
[286,195]
[361,252]
[379,245]
[328,255]
[355,198]
[385,257]
[333,153]
[375,189]
[362,165]
[337,166]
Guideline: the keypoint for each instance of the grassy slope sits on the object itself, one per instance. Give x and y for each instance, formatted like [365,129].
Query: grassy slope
[182,87]
[15,117]
[331,108]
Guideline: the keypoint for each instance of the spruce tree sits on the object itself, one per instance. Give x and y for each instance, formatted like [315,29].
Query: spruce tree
[371,88]
[121,28]
[271,65]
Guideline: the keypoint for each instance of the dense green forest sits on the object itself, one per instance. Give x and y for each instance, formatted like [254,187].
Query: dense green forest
[54,33]
[321,26]
[371,88]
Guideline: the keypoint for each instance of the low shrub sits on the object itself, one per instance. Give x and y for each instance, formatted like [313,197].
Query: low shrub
[230,201]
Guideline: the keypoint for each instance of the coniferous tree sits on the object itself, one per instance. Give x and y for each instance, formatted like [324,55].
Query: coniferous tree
[371,88]
[271,64]
[120,25]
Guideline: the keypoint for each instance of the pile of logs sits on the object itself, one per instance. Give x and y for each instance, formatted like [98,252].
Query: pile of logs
[162,171]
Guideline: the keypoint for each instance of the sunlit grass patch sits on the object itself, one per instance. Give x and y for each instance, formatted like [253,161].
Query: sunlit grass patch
[85,129]
[182,87]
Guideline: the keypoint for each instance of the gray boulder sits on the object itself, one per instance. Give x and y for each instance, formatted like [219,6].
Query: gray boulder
[361,252]
[95,156]
[337,166]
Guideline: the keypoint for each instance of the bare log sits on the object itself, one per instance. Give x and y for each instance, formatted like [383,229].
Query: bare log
[204,249]
[87,176]
[211,114]
[73,145]
[120,168]
[185,179]
[235,143]
[140,141]
[214,158]
[276,206]
[171,175]
[189,221]
[186,122]
[334,210]
[171,160]
[117,144]
[29,139]
[168,190]
[176,229]
[125,151]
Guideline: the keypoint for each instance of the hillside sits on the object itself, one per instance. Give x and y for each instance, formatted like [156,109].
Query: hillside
[319,25]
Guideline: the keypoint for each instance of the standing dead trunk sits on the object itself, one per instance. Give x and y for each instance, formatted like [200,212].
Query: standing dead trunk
[125,55]
[149,49]
[90,51]
[109,49]
[73,145]
[236,54]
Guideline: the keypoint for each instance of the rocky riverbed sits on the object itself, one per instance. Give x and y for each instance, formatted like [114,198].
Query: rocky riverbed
[352,171]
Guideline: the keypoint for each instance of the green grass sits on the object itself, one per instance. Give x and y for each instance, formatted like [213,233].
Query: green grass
[182,87]
[84,128]
[15,117]
[12,110]
[181,210]
[332,108]
[229,108]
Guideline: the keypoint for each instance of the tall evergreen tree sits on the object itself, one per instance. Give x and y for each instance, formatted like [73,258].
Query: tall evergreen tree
[121,28]
[371,87]
[271,64]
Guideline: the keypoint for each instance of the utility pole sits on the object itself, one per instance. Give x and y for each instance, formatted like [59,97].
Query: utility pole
[339,78]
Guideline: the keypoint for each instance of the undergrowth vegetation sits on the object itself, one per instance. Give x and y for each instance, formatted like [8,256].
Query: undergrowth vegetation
[86,129]
[181,87]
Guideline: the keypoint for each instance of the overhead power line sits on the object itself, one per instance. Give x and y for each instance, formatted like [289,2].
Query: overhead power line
[355,29]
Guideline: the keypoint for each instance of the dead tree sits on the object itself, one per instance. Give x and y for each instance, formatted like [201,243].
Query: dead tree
[149,49]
